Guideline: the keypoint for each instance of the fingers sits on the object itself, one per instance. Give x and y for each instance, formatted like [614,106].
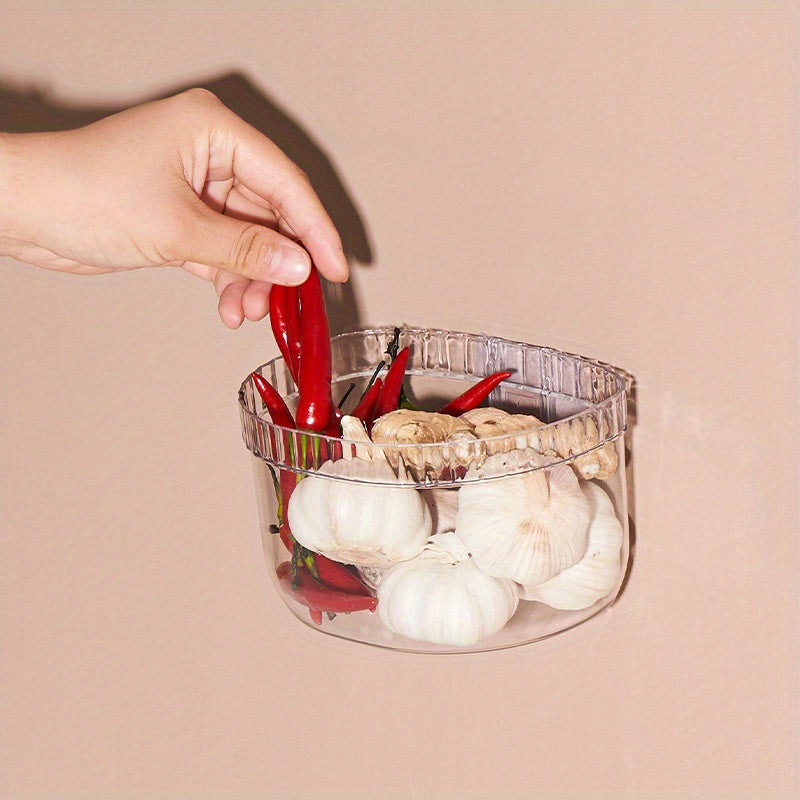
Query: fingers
[244,168]
[241,298]
[231,289]
[255,301]
[266,170]
[245,248]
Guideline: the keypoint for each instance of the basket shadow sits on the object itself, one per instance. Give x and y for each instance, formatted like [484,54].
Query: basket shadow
[632,400]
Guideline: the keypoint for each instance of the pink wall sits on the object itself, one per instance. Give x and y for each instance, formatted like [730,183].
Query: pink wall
[616,179]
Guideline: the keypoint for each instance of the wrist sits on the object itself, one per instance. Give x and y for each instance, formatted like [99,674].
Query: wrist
[11,203]
[6,183]
[20,201]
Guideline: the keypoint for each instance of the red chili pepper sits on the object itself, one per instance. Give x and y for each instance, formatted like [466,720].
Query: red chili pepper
[334,428]
[284,317]
[366,405]
[392,384]
[338,576]
[314,407]
[316,616]
[317,597]
[293,327]
[288,481]
[474,395]
[278,410]
[331,573]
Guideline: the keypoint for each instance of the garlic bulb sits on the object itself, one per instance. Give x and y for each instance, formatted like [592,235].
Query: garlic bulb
[442,597]
[526,527]
[597,573]
[366,524]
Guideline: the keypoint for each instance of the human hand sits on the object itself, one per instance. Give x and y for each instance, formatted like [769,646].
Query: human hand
[180,182]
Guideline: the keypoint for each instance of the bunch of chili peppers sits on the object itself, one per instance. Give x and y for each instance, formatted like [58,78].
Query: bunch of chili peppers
[299,323]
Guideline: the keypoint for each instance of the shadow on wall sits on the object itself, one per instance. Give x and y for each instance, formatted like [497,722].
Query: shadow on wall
[26,110]
[628,478]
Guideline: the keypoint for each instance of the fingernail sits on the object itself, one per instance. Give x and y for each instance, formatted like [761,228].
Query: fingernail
[290,266]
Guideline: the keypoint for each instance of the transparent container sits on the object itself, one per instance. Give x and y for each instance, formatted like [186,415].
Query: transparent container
[529,526]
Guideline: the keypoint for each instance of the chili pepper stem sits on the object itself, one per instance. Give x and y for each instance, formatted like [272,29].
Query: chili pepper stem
[372,380]
[346,395]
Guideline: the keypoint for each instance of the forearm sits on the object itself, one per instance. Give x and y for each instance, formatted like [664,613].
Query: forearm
[47,213]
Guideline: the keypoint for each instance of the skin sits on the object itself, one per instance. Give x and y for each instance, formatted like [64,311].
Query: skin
[181,182]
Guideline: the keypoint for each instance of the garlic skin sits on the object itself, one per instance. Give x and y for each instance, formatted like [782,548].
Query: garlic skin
[526,527]
[353,430]
[371,576]
[597,573]
[363,524]
[442,597]
[443,504]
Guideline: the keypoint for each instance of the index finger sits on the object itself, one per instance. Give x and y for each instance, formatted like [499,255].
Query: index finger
[268,172]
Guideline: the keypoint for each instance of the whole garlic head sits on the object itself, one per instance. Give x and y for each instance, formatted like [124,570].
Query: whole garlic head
[526,527]
[597,573]
[442,597]
[364,524]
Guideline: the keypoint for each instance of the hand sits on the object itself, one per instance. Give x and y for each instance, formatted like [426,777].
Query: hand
[180,182]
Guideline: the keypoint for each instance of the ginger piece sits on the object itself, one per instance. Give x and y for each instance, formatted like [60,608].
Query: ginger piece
[410,427]
[493,422]
[579,435]
[563,439]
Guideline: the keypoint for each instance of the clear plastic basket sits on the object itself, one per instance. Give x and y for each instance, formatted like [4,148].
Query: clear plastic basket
[494,498]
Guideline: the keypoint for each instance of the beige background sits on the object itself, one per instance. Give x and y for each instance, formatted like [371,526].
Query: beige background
[616,179]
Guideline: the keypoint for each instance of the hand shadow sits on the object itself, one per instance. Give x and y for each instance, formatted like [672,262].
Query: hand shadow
[26,110]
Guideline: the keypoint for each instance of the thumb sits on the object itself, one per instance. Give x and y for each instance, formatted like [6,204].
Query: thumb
[246,248]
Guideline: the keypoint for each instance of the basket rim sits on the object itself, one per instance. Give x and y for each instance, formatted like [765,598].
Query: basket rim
[617,397]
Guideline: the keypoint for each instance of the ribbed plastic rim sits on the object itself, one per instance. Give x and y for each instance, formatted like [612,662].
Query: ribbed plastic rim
[272,442]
